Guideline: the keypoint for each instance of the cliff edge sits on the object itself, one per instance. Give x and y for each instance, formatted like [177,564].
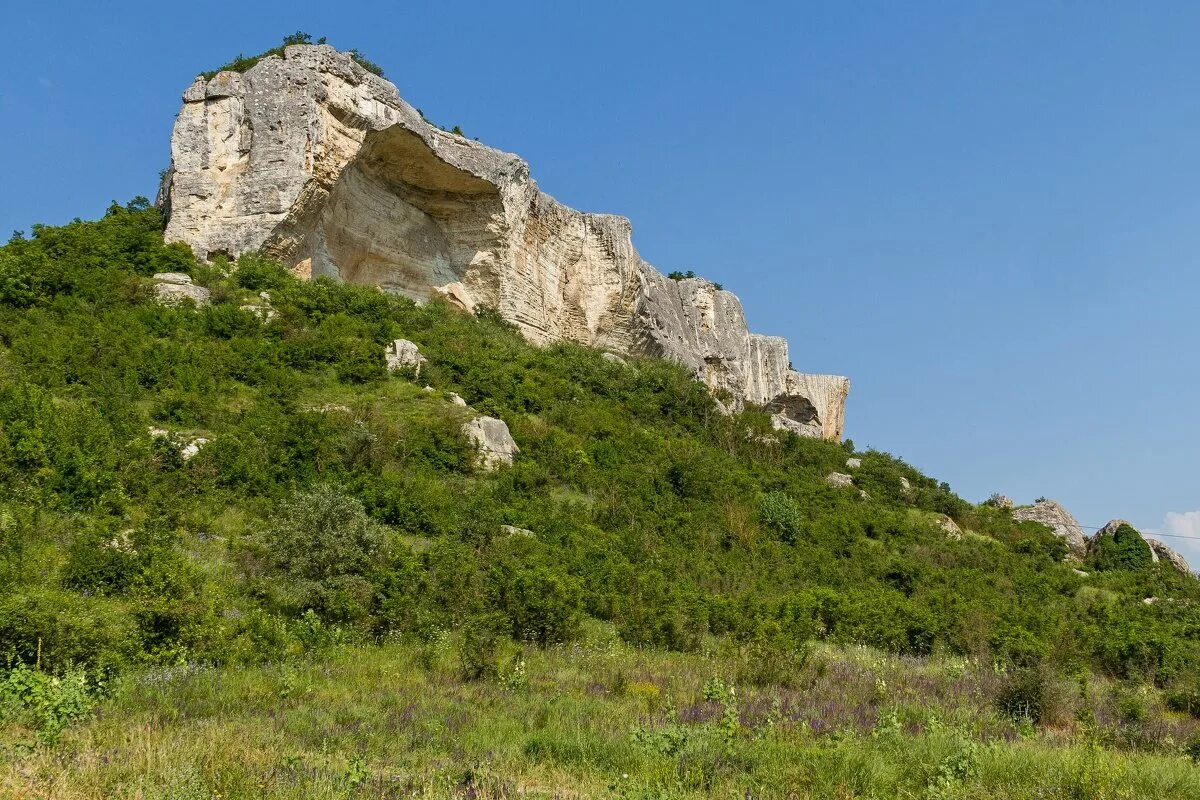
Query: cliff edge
[320,164]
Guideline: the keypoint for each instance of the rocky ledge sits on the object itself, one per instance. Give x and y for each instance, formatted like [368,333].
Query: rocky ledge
[322,165]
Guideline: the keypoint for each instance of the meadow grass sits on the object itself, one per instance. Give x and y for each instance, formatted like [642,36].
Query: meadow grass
[596,719]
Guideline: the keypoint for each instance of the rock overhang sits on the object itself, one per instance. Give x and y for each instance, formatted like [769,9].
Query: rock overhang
[321,164]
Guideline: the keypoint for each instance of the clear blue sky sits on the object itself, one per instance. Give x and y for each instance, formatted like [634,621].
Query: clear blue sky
[984,213]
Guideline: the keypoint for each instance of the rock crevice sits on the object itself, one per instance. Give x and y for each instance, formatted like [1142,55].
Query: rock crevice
[322,165]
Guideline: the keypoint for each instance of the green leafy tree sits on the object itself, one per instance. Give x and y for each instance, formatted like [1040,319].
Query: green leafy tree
[1123,549]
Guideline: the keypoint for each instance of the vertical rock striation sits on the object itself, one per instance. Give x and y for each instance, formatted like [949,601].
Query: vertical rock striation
[322,165]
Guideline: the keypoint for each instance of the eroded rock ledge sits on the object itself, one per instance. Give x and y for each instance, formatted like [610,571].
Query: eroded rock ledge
[322,165]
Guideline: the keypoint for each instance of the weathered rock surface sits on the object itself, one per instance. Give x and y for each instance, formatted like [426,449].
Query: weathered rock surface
[1110,528]
[403,354]
[839,480]
[1058,519]
[493,442]
[1162,552]
[1002,502]
[949,526]
[322,165]
[192,448]
[853,463]
[262,309]
[172,288]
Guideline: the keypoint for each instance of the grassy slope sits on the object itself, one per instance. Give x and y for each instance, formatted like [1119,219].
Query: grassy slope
[657,521]
[594,719]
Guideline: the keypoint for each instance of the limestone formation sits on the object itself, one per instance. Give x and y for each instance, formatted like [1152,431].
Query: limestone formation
[173,288]
[1058,519]
[614,358]
[853,463]
[262,309]
[322,165]
[1001,502]
[513,530]
[949,526]
[905,486]
[192,448]
[188,448]
[1110,528]
[457,400]
[839,480]
[493,442]
[403,354]
[1161,552]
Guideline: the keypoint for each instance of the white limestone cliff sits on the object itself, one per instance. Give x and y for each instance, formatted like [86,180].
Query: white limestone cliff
[322,165]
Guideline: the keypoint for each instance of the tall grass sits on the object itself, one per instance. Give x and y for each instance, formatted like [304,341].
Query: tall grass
[595,719]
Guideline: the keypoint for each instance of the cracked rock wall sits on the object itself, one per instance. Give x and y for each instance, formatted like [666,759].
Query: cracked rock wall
[322,165]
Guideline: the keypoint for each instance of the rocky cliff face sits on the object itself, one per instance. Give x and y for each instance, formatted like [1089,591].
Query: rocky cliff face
[322,165]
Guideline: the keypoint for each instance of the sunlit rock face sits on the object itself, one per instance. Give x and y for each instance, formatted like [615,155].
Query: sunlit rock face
[322,165]
[1051,514]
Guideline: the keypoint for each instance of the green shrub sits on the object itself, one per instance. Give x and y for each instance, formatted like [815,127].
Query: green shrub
[1124,549]
[47,703]
[1024,696]
[781,514]
[483,645]
[324,546]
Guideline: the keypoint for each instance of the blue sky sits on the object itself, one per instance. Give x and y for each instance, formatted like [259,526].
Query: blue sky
[983,213]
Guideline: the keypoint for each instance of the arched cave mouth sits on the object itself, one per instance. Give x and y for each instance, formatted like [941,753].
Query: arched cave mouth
[401,218]
[795,407]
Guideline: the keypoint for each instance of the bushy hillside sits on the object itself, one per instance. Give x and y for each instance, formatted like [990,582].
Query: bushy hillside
[334,503]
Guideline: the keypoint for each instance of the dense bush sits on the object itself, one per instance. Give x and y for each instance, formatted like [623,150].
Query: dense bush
[333,497]
[1124,548]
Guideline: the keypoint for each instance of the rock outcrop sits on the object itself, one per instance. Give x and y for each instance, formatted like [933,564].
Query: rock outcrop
[839,480]
[950,527]
[494,444]
[172,288]
[1158,550]
[403,354]
[1002,502]
[1161,552]
[322,165]
[1058,519]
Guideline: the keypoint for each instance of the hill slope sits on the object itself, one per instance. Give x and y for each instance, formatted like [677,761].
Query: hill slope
[325,503]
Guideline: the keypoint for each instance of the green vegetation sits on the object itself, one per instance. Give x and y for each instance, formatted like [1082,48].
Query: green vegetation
[1124,549]
[676,275]
[690,586]
[597,719]
[456,130]
[242,63]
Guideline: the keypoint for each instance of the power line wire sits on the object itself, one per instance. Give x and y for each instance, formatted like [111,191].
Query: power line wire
[1151,534]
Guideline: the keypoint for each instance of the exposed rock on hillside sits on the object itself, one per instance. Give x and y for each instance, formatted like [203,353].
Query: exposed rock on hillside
[1058,519]
[493,441]
[403,354]
[1163,553]
[322,165]
[1110,528]
[172,288]
[949,526]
